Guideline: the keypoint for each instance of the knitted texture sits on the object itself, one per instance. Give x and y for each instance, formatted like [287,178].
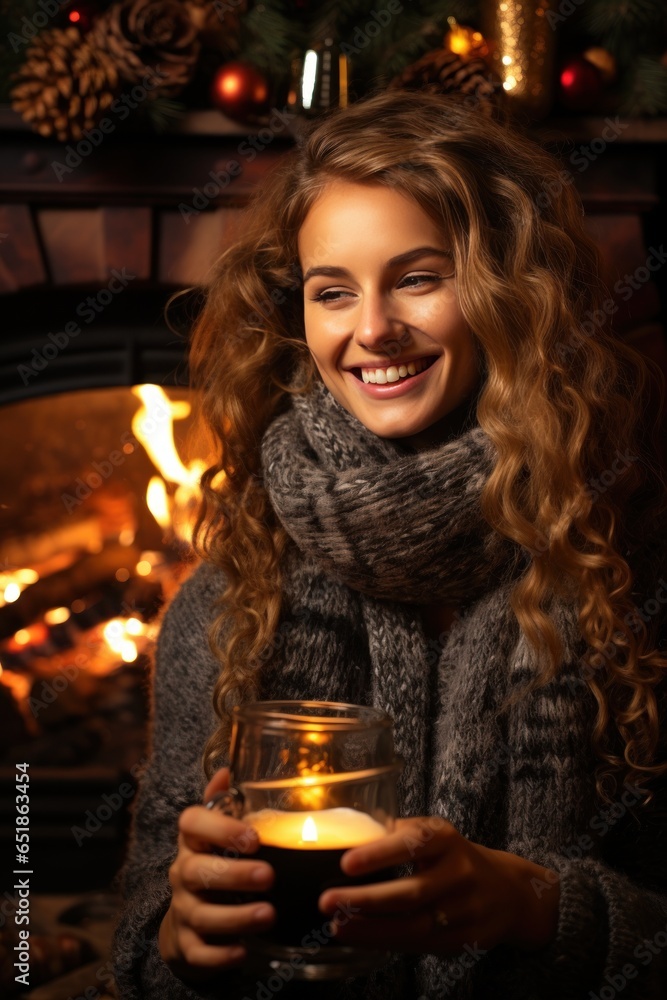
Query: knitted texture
[375,531]
[397,528]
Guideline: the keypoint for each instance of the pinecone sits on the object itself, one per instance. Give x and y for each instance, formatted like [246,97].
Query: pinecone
[443,72]
[150,37]
[64,84]
[218,24]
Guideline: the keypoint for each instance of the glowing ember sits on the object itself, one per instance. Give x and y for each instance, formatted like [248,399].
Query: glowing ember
[13,582]
[34,635]
[126,637]
[18,684]
[12,592]
[56,616]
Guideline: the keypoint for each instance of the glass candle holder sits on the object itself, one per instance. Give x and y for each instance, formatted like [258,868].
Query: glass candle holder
[314,779]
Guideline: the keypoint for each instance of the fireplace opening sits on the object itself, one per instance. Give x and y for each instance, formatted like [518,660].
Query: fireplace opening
[100,495]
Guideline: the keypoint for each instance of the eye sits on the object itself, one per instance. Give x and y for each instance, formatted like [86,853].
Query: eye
[410,281]
[418,279]
[326,296]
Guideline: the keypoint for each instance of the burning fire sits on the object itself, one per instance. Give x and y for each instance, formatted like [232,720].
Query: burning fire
[36,651]
[153,426]
[158,501]
[18,684]
[121,635]
[12,583]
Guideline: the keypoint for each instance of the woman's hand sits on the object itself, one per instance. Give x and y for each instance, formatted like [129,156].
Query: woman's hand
[197,937]
[485,896]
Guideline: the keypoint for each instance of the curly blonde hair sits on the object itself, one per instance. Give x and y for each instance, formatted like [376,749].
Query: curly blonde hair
[562,399]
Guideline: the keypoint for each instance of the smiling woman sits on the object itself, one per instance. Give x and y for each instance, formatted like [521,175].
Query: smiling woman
[382,317]
[409,409]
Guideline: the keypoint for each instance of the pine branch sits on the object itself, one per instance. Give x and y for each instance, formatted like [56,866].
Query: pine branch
[647,89]
[162,112]
[268,37]
[341,16]
[411,39]
[626,27]
[465,11]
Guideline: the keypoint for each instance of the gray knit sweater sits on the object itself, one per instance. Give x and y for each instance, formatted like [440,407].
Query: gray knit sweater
[612,928]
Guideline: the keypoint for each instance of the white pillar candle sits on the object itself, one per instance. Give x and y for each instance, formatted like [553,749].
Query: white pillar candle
[339,828]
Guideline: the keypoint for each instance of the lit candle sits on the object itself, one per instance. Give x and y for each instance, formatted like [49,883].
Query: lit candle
[305,848]
[324,828]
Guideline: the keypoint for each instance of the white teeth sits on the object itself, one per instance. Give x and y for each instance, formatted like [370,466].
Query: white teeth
[380,376]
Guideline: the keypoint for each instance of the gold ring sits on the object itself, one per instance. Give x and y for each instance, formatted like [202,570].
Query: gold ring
[440,917]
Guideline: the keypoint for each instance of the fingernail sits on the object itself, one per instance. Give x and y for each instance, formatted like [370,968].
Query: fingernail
[260,874]
[351,863]
[262,913]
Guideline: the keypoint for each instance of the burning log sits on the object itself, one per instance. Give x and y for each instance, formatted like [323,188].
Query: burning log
[62,588]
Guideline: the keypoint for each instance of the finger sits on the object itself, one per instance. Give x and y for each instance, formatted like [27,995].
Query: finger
[399,895]
[414,839]
[203,872]
[218,783]
[217,918]
[204,829]
[198,953]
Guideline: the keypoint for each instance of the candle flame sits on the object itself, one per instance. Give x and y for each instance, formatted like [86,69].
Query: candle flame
[309,831]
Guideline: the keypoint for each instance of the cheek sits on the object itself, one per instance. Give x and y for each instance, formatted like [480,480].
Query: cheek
[439,314]
[322,338]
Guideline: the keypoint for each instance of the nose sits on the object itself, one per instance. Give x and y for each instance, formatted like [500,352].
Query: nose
[377,328]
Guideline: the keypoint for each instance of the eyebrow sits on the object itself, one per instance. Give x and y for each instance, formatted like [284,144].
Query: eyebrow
[402,258]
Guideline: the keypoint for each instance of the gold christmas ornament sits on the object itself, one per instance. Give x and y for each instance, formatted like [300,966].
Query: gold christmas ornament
[64,85]
[465,41]
[604,61]
[523,49]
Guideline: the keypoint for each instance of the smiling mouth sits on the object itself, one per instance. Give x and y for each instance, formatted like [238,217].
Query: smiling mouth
[426,363]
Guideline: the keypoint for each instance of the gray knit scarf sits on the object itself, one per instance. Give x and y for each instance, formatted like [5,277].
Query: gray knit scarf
[397,526]
[377,529]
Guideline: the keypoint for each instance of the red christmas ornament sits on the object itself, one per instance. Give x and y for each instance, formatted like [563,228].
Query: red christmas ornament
[80,16]
[240,91]
[581,85]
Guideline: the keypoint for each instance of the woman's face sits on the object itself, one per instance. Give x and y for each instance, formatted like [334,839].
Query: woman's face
[380,294]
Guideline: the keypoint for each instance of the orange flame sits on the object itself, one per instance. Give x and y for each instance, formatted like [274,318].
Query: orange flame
[153,425]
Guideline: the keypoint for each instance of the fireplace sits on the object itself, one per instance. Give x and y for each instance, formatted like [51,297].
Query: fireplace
[95,527]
